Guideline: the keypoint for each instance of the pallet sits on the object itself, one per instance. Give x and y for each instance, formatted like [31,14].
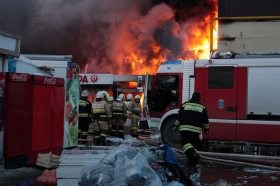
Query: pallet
[73,161]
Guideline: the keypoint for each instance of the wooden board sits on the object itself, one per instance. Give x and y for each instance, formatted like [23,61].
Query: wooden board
[67,182]
[69,172]
[73,161]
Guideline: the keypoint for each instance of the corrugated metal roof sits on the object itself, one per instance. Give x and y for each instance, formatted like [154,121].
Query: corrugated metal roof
[49,57]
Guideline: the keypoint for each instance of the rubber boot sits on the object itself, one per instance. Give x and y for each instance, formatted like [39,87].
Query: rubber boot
[44,177]
[52,178]
[196,158]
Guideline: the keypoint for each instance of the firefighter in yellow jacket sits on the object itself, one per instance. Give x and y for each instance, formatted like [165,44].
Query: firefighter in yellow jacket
[119,116]
[135,111]
[109,100]
[101,115]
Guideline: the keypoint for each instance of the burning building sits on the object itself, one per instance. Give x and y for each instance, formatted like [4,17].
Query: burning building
[115,37]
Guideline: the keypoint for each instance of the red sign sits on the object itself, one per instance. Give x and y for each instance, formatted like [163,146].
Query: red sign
[17,77]
[84,78]
[46,80]
[93,78]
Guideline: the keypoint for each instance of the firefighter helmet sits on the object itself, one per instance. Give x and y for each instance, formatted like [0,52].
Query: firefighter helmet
[104,93]
[99,94]
[137,97]
[128,96]
[85,93]
[121,96]
[107,95]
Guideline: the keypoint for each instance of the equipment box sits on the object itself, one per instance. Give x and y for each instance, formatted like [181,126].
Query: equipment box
[47,160]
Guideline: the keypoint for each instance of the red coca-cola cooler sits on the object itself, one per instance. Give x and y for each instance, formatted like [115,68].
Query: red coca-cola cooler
[17,101]
[48,116]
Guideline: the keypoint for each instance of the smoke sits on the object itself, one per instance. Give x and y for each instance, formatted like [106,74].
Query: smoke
[109,36]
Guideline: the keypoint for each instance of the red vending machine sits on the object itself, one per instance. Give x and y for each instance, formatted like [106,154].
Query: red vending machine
[17,100]
[48,116]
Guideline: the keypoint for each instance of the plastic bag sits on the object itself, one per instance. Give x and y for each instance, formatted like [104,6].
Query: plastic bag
[125,151]
[97,174]
[139,172]
[175,183]
[120,172]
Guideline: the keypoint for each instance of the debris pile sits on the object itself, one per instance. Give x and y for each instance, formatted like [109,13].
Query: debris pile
[128,165]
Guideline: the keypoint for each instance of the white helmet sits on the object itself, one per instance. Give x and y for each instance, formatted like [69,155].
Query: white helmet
[121,96]
[137,97]
[104,93]
[107,95]
[100,94]
[85,93]
[129,96]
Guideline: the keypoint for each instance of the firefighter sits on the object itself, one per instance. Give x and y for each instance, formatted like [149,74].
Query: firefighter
[110,100]
[191,118]
[128,100]
[101,115]
[85,116]
[135,111]
[119,116]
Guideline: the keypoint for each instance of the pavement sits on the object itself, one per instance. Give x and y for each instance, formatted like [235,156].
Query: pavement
[13,177]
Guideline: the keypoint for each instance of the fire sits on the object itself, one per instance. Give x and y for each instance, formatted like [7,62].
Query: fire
[132,84]
[196,45]
[137,42]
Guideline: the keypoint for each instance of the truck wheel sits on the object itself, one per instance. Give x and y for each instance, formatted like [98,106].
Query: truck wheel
[169,136]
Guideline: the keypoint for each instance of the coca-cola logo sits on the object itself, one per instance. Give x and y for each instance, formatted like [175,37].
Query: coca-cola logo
[19,77]
[50,81]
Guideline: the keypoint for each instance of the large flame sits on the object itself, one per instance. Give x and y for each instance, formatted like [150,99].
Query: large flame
[118,37]
[196,43]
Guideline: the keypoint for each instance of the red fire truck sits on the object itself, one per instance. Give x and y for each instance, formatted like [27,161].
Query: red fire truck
[240,89]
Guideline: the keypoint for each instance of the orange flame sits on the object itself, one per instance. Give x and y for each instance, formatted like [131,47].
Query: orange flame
[132,84]
[138,44]
[197,47]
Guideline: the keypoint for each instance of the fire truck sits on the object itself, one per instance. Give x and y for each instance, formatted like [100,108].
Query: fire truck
[240,89]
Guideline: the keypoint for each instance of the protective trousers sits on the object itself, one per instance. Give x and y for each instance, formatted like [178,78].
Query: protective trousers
[117,127]
[83,129]
[189,142]
[100,132]
[134,125]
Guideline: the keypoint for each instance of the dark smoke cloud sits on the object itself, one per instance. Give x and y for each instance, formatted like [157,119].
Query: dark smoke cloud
[102,34]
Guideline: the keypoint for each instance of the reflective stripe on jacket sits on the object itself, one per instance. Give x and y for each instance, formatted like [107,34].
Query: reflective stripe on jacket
[192,117]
